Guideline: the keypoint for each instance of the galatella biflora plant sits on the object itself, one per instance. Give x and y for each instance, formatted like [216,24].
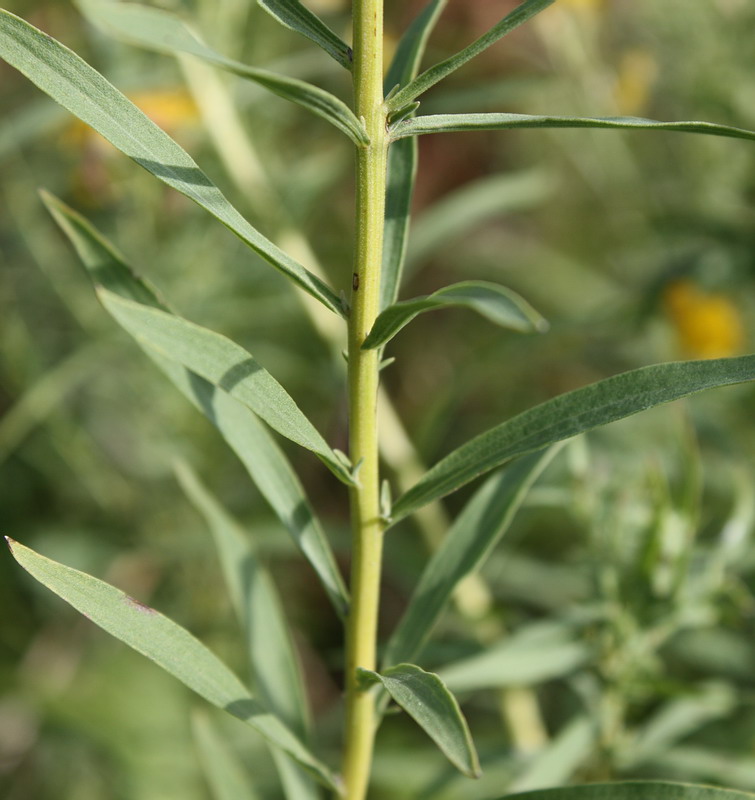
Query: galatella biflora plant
[245,402]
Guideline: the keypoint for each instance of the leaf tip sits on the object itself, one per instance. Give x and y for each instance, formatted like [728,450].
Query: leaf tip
[10,542]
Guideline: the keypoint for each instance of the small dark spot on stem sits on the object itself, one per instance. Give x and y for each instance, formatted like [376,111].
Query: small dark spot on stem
[355,281]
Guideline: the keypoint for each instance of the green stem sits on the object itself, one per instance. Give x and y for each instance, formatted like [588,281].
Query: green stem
[367,528]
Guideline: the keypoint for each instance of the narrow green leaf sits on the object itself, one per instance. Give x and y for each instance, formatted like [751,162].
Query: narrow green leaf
[166,33]
[402,156]
[496,303]
[476,531]
[224,773]
[430,77]
[458,213]
[168,645]
[426,699]
[275,665]
[70,81]
[539,652]
[444,123]
[633,790]
[249,438]
[224,364]
[293,15]
[569,414]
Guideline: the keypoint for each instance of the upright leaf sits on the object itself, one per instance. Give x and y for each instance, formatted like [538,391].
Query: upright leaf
[225,365]
[223,771]
[426,699]
[249,439]
[444,123]
[168,645]
[634,790]
[71,82]
[295,16]
[569,414]
[494,302]
[430,77]
[482,523]
[166,33]
[402,156]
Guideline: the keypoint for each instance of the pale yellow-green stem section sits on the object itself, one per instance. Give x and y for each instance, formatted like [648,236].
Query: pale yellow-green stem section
[367,527]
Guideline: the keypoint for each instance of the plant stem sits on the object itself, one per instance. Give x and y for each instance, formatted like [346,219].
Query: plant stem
[367,527]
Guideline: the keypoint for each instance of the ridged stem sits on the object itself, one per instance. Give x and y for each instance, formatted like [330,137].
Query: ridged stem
[367,528]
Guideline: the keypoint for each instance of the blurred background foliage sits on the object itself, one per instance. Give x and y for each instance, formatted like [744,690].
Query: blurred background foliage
[617,615]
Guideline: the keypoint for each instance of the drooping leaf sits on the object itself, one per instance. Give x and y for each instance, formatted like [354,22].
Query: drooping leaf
[431,76]
[159,30]
[426,699]
[225,365]
[497,303]
[539,652]
[402,156]
[223,771]
[633,790]
[275,665]
[569,414]
[168,645]
[247,437]
[444,123]
[478,528]
[70,81]
[295,16]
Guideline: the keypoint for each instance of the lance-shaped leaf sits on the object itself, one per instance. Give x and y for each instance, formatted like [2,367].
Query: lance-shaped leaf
[444,123]
[295,16]
[70,81]
[275,664]
[569,414]
[442,70]
[634,790]
[424,696]
[496,303]
[225,365]
[168,645]
[481,524]
[402,156]
[247,437]
[224,773]
[164,32]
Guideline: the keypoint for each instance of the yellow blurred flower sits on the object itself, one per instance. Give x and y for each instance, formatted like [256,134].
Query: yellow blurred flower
[707,324]
[636,75]
[583,6]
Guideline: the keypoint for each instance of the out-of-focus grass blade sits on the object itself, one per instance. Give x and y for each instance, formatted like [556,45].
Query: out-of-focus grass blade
[162,31]
[402,156]
[461,211]
[560,758]
[497,303]
[709,764]
[247,437]
[569,414]
[441,70]
[70,81]
[168,645]
[427,700]
[226,365]
[226,777]
[540,652]
[293,15]
[479,527]
[443,123]
[634,790]
[275,665]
